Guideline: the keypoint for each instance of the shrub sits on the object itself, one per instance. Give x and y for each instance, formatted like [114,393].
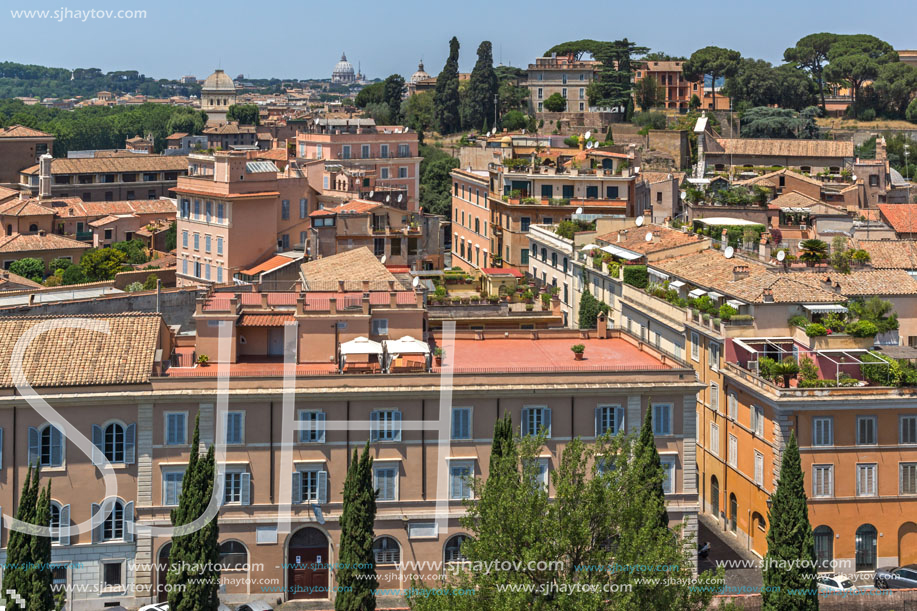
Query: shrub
[651,120]
[572,141]
[150,283]
[636,275]
[578,348]
[808,370]
[834,321]
[29,267]
[742,318]
[816,330]
[727,312]
[862,328]
[911,114]
[566,229]
[798,321]
[133,287]
[868,115]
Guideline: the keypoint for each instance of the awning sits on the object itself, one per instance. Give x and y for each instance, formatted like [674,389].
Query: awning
[676,284]
[361,345]
[617,251]
[264,320]
[735,303]
[725,220]
[697,293]
[406,345]
[825,308]
[714,295]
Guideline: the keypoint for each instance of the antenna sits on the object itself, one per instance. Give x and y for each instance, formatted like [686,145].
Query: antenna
[579,210]
[415,282]
[649,236]
[729,252]
[640,221]
[781,255]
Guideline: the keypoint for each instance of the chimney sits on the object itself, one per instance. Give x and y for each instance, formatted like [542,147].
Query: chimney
[622,233]
[366,286]
[739,272]
[768,296]
[340,286]
[365,303]
[393,299]
[391,285]
[333,305]
[601,326]
[41,232]
[723,240]
[827,282]
[44,176]
[264,305]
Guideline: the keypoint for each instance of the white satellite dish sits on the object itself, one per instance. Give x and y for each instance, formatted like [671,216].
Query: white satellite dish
[400,197]
[729,252]
[579,210]
[640,221]
[649,236]
[405,130]
[316,120]
[684,194]
[383,259]
[415,282]
[588,146]
[388,198]
[588,135]
[781,255]
[371,193]
[523,131]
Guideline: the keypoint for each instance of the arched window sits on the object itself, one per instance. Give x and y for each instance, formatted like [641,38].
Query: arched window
[46,446]
[113,526]
[733,512]
[114,442]
[54,524]
[33,227]
[866,548]
[714,496]
[544,254]
[453,549]
[824,546]
[554,259]
[233,556]
[386,551]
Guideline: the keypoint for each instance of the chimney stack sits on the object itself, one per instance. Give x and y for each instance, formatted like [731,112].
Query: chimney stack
[768,296]
[340,286]
[739,272]
[44,176]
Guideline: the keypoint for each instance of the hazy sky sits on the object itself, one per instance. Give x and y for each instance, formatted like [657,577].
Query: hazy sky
[303,39]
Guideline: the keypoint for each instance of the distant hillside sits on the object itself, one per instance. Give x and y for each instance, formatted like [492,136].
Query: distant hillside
[27,80]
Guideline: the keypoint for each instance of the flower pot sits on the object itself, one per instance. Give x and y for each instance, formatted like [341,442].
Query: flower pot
[438,360]
[578,356]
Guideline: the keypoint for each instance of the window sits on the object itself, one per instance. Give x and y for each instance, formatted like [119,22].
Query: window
[524,223]
[608,418]
[452,551]
[695,346]
[345,152]
[524,256]
[866,479]
[732,452]
[908,433]
[402,172]
[404,150]
[757,420]
[385,481]
[822,481]
[219,246]
[759,468]
[176,428]
[383,173]
[364,151]
[386,425]
[866,430]
[237,487]
[668,471]
[714,396]
[208,210]
[112,574]
[108,232]
[662,419]
[823,431]
[824,545]
[46,446]
[57,517]
[313,428]
[285,210]
[197,208]
[732,406]
[233,556]
[219,274]
[714,356]
[540,93]
[220,212]
[171,487]
[115,442]
[611,193]
[197,241]
[714,439]
[874,180]
[380,326]
[534,418]
[461,423]
[865,548]
[184,239]
[908,478]
[310,486]
[113,526]
[386,551]
[207,243]
[563,90]
[235,428]
[460,475]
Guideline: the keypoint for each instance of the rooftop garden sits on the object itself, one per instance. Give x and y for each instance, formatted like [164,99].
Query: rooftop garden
[737,236]
[863,319]
[737,195]
[703,306]
[567,229]
[457,287]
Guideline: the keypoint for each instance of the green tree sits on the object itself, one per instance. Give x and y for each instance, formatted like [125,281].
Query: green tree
[150,283]
[172,236]
[714,61]
[59,264]
[514,120]
[577,48]
[614,84]
[102,264]
[769,122]
[244,114]
[41,596]
[811,54]
[813,251]
[371,94]
[16,574]
[435,181]
[789,567]
[911,114]
[648,92]
[417,111]
[446,95]
[512,95]
[589,310]
[875,310]
[134,251]
[896,85]
[482,90]
[193,575]
[855,59]
[73,275]
[694,103]
[555,103]
[392,96]
[357,585]
[33,269]
[794,88]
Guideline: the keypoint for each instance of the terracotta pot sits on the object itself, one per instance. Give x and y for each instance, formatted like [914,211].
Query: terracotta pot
[438,360]
[578,356]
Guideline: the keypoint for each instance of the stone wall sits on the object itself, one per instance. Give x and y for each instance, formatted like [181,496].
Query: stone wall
[865,600]
[166,276]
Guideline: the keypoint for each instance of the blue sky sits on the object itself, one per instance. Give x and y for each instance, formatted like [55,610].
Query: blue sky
[304,38]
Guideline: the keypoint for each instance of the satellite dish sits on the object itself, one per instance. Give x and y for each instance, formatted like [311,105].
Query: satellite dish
[781,255]
[371,193]
[588,135]
[684,194]
[579,210]
[316,120]
[415,282]
[405,130]
[400,197]
[388,198]
[729,252]
[383,259]
[649,236]
[523,131]
[640,221]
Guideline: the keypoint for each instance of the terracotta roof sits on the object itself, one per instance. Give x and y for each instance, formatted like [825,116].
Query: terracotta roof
[321,212]
[353,267]
[129,163]
[105,220]
[890,254]
[865,283]
[793,199]
[21,131]
[654,177]
[902,217]
[772,179]
[634,239]
[31,242]
[6,193]
[772,147]
[356,206]
[176,136]
[661,66]
[83,356]
[229,129]
[274,154]
[75,207]
[8,278]
[501,271]
[271,264]
[264,320]
[27,207]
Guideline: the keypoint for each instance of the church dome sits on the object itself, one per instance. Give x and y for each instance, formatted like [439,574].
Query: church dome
[219,81]
[343,71]
[420,75]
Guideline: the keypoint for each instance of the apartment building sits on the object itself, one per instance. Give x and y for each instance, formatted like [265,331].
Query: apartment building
[375,158]
[565,75]
[675,90]
[21,147]
[235,213]
[139,413]
[226,136]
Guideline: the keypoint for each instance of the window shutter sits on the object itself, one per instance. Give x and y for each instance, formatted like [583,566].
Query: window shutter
[547,420]
[598,421]
[65,525]
[34,455]
[246,484]
[455,484]
[96,522]
[97,443]
[1,448]
[396,425]
[320,424]
[525,421]
[619,419]
[322,487]
[374,426]
[127,522]
[296,497]
[57,447]
[130,435]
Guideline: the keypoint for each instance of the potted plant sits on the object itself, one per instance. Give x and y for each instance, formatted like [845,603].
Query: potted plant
[545,301]
[578,350]
[202,360]
[529,307]
[438,354]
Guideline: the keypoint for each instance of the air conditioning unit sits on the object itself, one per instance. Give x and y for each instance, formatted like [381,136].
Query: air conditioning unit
[802,227]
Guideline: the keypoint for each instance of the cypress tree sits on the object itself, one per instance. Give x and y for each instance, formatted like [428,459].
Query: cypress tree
[503,442]
[789,566]
[16,575]
[446,95]
[478,103]
[648,460]
[357,519]
[41,597]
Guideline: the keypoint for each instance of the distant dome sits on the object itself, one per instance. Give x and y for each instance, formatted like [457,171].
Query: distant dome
[343,71]
[219,81]
[420,75]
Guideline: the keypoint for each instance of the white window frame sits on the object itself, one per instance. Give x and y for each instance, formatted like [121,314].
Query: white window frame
[387,466]
[165,484]
[732,452]
[321,496]
[822,426]
[715,396]
[467,434]
[695,346]
[902,468]
[670,409]
[669,470]
[165,421]
[466,491]
[112,588]
[714,439]
[244,485]
[875,430]
[714,356]
[867,479]
[759,468]
[732,406]
[379,326]
[757,420]
[386,428]
[828,486]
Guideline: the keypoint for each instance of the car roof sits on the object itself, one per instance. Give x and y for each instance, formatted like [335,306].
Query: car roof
[912,567]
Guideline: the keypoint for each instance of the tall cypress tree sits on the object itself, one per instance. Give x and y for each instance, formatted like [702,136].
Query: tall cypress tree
[503,441]
[789,566]
[478,104]
[446,95]
[357,518]
[41,596]
[16,575]
[649,461]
